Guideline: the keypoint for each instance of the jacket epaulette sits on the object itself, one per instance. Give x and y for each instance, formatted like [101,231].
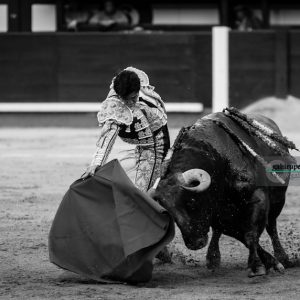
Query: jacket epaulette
[114,109]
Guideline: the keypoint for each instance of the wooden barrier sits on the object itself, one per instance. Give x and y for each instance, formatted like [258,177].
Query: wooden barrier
[262,64]
[78,67]
[28,68]
[294,63]
[251,66]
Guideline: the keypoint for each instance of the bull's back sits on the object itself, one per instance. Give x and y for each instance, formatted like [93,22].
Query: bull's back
[265,121]
[225,142]
[240,162]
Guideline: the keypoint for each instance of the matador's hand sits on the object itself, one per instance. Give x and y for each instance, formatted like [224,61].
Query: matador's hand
[90,171]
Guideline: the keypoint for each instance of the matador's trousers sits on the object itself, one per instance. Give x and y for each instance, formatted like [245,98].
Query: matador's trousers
[149,159]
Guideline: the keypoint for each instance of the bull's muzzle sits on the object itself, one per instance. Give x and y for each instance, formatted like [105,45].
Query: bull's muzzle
[196,243]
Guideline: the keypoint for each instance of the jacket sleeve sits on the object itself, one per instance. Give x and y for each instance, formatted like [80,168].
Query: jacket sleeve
[108,135]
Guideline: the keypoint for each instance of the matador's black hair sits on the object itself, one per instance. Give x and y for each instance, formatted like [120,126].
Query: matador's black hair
[126,82]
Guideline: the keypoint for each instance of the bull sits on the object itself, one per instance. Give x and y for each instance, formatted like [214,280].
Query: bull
[216,178]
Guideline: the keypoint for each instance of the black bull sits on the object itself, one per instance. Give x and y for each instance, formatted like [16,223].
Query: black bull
[236,197]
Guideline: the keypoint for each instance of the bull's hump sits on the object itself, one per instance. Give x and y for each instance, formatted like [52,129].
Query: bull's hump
[222,140]
[213,116]
[262,119]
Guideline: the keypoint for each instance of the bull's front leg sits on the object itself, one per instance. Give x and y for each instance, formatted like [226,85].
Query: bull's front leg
[279,252]
[255,223]
[213,255]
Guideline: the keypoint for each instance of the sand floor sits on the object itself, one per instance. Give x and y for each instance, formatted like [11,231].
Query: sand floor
[37,166]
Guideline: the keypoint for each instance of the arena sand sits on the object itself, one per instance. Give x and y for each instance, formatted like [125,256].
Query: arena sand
[38,165]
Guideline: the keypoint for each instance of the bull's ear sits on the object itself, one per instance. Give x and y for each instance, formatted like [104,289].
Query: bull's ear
[196,180]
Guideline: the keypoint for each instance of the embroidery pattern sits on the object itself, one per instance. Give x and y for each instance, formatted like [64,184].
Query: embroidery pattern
[144,142]
[149,163]
[104,144]
[114,109]
[155,116]
[135,127]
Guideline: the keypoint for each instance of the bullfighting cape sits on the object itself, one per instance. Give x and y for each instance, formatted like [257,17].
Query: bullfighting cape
[108,230]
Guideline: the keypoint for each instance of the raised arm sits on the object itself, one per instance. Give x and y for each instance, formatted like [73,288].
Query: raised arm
[109,132]
[113,114]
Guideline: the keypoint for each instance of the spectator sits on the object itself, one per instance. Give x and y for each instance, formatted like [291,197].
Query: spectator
[75,15]
[245,20]
[131,13]
[110,16]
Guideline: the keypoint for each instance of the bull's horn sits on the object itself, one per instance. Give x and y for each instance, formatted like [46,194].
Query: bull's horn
[196,175]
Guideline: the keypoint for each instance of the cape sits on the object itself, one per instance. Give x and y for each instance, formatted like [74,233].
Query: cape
[107,229]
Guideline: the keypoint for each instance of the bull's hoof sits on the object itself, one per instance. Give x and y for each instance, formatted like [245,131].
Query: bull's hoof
[164,256]
[213,263]
[280,268]
[284,259]
[260,271]
[286,262]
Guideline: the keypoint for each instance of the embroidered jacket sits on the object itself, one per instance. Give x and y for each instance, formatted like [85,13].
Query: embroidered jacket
[135,126]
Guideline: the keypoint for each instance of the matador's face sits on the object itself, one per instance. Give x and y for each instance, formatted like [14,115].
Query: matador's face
[131,99]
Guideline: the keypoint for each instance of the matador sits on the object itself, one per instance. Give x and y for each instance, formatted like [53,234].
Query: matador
[136,113]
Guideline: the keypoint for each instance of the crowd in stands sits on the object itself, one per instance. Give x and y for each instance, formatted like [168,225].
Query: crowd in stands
[108,16]
[245,19]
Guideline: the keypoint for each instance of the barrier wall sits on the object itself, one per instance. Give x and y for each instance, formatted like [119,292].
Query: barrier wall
[79,67]
[294,63]
[261,65]
[251,66]
[76,67]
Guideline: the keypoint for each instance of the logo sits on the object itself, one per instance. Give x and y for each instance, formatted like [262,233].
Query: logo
[278,171]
